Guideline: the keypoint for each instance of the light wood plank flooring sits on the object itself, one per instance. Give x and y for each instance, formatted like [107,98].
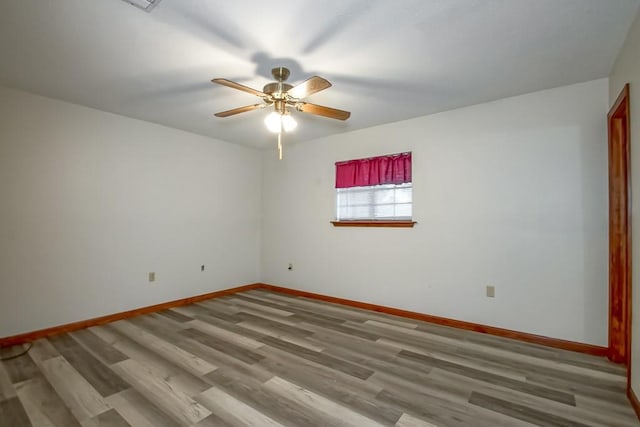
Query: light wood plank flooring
[266,359]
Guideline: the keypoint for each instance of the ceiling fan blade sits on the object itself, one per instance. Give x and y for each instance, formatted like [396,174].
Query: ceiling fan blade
[234,85]
[319,110]
[240,110]
[308,87]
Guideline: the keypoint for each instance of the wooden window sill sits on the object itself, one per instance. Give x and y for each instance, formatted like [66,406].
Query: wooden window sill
[393,224]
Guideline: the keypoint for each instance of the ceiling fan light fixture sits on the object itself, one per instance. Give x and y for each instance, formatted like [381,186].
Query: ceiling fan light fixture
[276,122]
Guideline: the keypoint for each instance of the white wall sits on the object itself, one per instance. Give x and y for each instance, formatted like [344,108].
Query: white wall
[90,202]
[511,193]
[627,70]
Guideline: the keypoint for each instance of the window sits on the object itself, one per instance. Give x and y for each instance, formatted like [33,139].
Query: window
[376,191]
[376,202]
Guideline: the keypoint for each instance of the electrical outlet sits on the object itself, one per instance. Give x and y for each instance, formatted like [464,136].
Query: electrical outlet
[290,267]
[491,291]
[152,276]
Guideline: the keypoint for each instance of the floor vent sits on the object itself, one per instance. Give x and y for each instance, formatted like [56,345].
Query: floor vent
[146,5]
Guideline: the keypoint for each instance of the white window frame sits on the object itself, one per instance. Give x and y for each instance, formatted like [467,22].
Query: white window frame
[373,192]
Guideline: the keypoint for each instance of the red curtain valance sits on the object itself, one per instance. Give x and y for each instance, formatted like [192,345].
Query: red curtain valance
[390,169]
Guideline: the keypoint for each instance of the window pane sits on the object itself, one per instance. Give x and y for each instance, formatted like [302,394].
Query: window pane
[384,211]
[403,210]
[375,202]
[359,198]
[384,196]
[355,212]
[403,195]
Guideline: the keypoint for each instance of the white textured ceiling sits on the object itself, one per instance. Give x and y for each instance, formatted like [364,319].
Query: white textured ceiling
[388,60]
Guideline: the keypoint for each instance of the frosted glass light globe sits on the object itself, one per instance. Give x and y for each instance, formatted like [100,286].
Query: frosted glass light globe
[275,120]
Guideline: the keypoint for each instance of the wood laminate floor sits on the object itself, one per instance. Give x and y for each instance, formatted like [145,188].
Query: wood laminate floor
[265,359]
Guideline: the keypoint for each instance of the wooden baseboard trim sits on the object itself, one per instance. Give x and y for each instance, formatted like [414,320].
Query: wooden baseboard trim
[491,330]
[633,399]
[55,330]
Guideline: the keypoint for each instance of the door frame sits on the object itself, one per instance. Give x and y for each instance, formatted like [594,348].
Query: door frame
[620,273]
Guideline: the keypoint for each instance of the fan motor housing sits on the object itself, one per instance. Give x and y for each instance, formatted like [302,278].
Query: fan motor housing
[280,73]
[276,89]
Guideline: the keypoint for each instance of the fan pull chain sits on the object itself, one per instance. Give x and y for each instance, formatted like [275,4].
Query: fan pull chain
[280,139]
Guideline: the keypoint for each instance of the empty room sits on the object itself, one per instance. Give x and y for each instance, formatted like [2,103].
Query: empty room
[332,213]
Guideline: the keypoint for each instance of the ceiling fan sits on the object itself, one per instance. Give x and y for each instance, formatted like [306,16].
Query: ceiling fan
[282,95]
